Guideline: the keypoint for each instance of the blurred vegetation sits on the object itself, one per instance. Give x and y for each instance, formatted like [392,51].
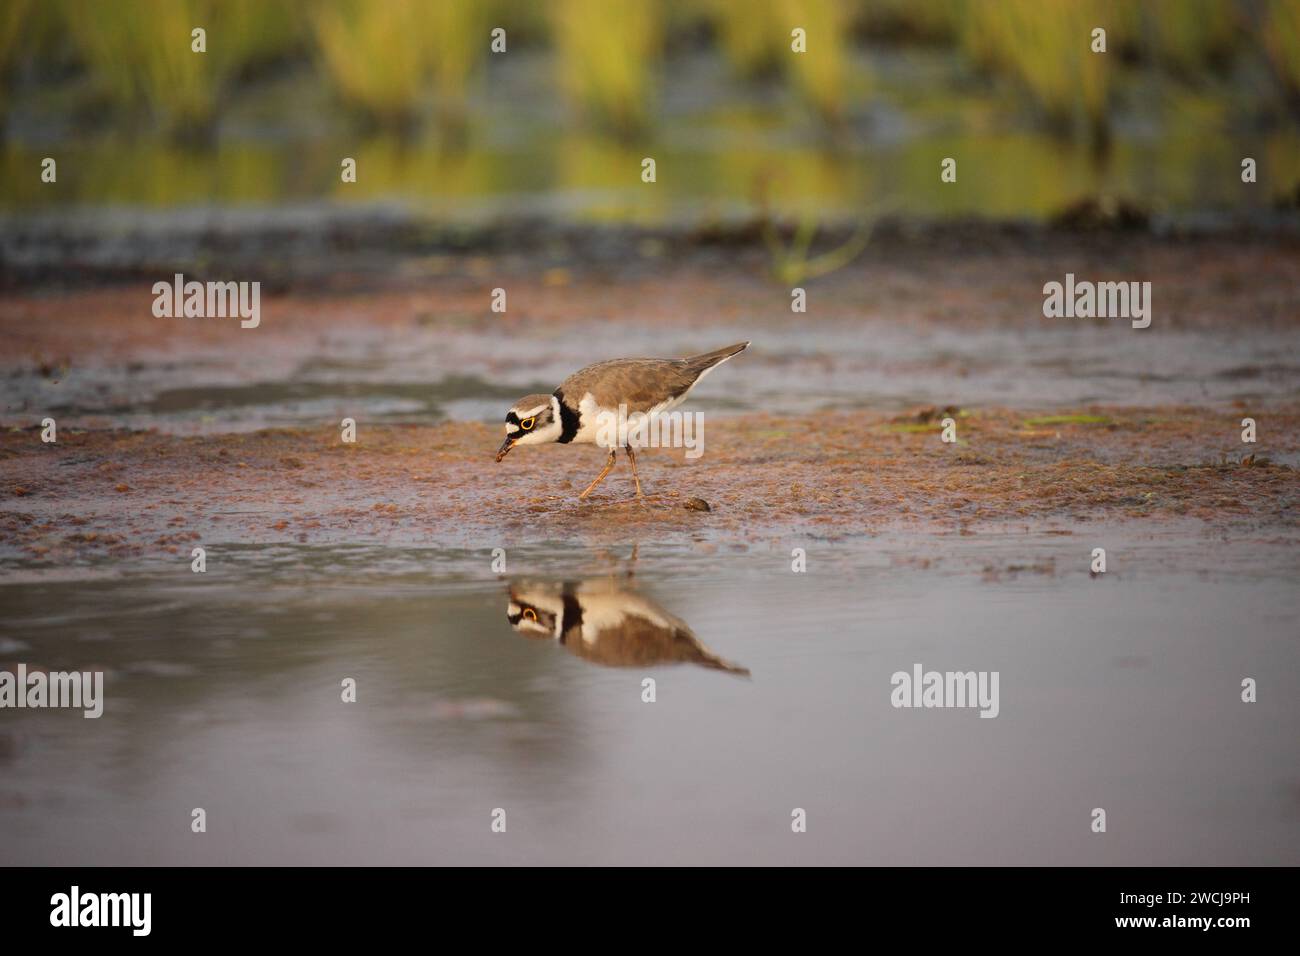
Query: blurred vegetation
[793,264]
[417,65]
[1046,47]
[821,74]
[606,54]
[139,57]
[1281,31]
[397,62]
[13,21]
[756,38]
[935,22]
[1201,35]
[388,61]
[752,34]
[374,54]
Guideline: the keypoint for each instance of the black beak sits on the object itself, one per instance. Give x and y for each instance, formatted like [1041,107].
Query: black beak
[505,447]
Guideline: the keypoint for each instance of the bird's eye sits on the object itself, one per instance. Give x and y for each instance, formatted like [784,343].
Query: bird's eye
[527,423]
[529,612]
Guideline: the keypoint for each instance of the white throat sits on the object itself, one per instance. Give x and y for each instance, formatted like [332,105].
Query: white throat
[539,436]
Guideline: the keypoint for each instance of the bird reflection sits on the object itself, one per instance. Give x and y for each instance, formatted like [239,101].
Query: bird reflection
[604,623]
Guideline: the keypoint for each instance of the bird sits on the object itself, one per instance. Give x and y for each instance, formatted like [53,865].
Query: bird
[574,412]
[605,623]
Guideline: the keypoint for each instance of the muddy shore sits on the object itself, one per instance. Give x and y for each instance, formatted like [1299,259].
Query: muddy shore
[146,496]
[803,437]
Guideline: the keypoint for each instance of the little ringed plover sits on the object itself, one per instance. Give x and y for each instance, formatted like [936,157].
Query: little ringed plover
[574,411]
[605,623]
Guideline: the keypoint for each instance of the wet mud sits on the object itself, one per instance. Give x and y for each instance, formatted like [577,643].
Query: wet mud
[150,495]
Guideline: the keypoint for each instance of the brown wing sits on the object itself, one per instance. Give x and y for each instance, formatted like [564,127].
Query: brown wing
[640,383]
[709,359]
[639,642]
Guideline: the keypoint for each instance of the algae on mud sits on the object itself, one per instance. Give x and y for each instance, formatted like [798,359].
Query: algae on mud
[146,495]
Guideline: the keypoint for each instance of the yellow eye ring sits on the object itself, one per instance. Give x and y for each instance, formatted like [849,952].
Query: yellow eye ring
[527,423]
[530,614]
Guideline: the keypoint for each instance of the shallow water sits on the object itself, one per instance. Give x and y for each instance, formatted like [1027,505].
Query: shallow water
[223,692]
[426,375]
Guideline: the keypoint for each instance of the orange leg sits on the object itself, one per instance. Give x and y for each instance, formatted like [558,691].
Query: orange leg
[601,477]
[632,458]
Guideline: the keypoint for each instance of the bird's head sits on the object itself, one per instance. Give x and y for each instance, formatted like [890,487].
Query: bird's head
[535,612]
[533,420]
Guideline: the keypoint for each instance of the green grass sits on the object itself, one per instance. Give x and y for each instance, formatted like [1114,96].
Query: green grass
[1190,35]
[822,74]
[139,57]
[391,61]
[1046,48]
[458,41]
[262,32]
[14,20]
[1281,36]
[1067,420]
[139,54]
[752,34]
[755,37]
[376,57]
[792,265]
[606,54]
[930,22]
[911,428]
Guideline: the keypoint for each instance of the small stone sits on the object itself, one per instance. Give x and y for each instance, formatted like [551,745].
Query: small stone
[697,504]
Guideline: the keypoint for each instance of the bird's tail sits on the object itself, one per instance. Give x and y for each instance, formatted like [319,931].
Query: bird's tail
[727,666]
[713,662]
[709,359]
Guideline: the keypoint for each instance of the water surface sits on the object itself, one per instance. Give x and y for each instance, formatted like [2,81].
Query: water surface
[223,692]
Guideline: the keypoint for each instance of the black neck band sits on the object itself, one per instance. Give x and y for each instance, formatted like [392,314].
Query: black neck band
[571,617]
[568,419]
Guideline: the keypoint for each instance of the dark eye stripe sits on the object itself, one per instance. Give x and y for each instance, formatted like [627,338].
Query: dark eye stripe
[513,416]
